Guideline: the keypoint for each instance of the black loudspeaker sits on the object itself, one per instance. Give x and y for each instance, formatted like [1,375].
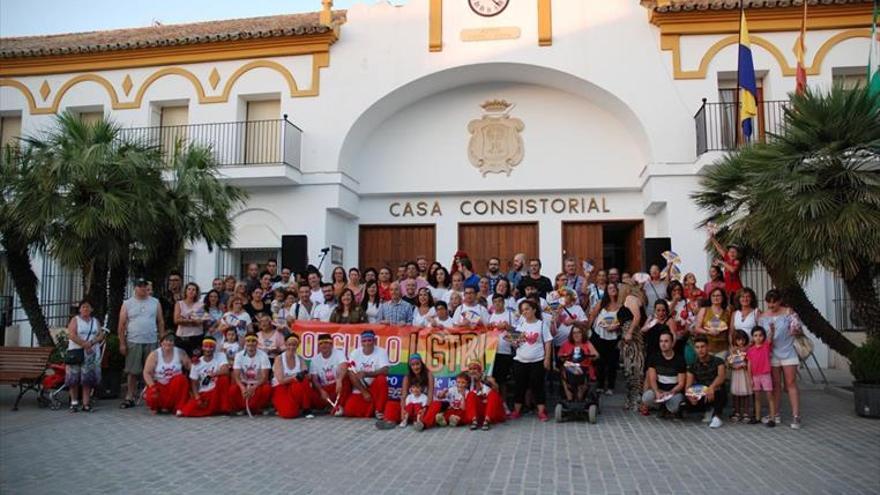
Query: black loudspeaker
[295,252]
[652,251]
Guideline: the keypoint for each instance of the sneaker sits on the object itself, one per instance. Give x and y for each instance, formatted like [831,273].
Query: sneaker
[380,416]
[474,425]
[777,419]
[385,425]
[707,416]
[240,413]
[485,426]
[403,424]
[542,417]
[179,413]
[770,424]
[419,426]
[715,423]
[440,419]
[600,391]
[74,407]
[796,423]
[609,392]
[339,413]
[268,412]
[734,418]
[766,419]
[311,416]
[515,415]
[453,420]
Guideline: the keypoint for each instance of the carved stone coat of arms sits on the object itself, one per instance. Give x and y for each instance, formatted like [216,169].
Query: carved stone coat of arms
[496,144]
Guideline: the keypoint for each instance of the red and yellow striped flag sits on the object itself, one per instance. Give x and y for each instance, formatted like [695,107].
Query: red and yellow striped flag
[800,49]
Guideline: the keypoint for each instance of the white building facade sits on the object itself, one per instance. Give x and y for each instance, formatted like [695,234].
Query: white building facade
[366,130]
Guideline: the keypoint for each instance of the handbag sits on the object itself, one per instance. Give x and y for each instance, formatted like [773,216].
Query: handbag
[803,346]
[76,357]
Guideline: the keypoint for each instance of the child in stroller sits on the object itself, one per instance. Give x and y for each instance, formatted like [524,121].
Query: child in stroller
[578,374]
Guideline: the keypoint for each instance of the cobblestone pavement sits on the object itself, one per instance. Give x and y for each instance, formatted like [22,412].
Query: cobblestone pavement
[115,451]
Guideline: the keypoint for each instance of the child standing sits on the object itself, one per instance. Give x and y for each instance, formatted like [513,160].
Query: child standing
[758,355]
[414,407]
[455,400]
[230,343]
[740,384]
[483,404]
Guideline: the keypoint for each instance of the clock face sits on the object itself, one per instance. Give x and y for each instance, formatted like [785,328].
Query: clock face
[488,8]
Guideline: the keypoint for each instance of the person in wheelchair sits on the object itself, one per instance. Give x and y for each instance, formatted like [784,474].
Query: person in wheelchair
[575,358]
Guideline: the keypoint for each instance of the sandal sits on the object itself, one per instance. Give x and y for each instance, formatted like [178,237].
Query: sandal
[74,407]
[127,403]
[87,408]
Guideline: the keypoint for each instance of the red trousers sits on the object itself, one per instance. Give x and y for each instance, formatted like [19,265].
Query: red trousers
[291,398]
[317,402]
[209,403]
[169,397]
[484,408]
[358,407]
[261,398]
[413,411]
[429,418]
[454,412]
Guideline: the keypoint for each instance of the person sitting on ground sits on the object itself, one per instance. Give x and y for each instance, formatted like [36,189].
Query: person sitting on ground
[209,382]
[250,390]
[396,311]
[454,398]
[417,374]
[328,371]
[705,383]
[576,356]
[368,373]
[414,408]
[666,376]
[167,387]
[290,381]
[470,313]
[483,404]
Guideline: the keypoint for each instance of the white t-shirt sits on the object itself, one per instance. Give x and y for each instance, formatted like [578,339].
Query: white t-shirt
[447,323]
[202,369]
[317,296]
[230,349]
[239,321]
[509,317]
[421,400]
[372,313]
[323,311]
[438,293]
[420,320]
[250,367]
[482,390]
[377,360]
[288,372]
[299,312]
[454,398]
[475,314]
[563,324]
[531,350]
[326,368]
[543,303]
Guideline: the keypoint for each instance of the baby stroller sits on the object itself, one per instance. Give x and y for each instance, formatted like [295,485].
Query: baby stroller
[577,373]
[53,388]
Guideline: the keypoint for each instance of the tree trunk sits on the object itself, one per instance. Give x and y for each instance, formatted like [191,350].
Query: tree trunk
[118,281]
[97,291]
[866,303]
[794,296]
[25,281]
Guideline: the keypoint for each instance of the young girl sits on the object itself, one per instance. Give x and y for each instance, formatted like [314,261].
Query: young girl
[415,405]
[230,345]
[740,385]
[758,355]
[455,401]
[483,404]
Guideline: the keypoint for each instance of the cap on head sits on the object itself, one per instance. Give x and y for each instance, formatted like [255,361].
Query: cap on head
[141,282]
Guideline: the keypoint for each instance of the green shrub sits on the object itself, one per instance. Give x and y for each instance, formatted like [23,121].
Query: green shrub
[865,362]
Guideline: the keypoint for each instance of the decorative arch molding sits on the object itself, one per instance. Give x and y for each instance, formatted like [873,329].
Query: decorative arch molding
[264,228]
[319,61]
[673,43]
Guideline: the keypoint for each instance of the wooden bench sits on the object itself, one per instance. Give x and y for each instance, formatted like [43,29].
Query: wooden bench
[24,367]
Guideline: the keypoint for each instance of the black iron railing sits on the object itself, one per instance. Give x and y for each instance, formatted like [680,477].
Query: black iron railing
[718,129]
[234,144]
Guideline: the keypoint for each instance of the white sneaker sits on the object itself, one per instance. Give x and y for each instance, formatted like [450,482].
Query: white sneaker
[715,423]
[403,424]
[310,416]
[707,416]
[609,392]
[339,413]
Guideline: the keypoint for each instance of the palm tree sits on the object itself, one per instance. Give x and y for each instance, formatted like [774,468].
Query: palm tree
[194,205]
[810,197]
[18,172]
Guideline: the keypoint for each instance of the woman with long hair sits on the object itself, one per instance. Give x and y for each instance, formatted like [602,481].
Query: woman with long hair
[385,284]
[713,321]
[606,334]
[213,313]
[347,311]
[503,289]
[783,325]
[534,351]
[631,315]
[416,374]
[339,281]
[354,283]
[371,302]
[424,313]
[439,282]
[189,316]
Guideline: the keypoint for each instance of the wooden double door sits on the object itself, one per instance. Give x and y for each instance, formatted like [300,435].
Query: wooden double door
[391,245]
[608,244]
[482,241]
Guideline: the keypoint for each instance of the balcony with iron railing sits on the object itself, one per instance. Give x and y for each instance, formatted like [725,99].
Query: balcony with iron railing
[261,152]
[717,124]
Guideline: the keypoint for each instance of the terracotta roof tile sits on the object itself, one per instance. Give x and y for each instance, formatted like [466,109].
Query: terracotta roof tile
[172,34]
[689,5]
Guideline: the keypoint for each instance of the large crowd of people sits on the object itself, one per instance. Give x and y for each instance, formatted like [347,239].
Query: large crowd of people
[233,349]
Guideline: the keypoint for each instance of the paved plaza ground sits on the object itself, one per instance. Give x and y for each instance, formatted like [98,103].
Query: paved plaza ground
[115,451]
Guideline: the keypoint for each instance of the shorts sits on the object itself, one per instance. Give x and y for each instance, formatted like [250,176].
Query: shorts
[762,382]
[792,361]
[136,357]
[82,374]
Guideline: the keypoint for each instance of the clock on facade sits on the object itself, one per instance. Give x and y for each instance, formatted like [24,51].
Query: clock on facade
[488,8]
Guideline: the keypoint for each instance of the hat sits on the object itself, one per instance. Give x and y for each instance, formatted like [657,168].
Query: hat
[324,337]
[368,334]
[141,282]
[415,357]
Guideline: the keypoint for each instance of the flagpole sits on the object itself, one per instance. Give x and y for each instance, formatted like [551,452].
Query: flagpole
[736,108]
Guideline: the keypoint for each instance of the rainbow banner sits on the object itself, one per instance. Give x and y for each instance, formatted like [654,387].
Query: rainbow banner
[445,353]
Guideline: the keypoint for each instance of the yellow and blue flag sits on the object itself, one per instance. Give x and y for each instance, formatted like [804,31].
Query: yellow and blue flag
[748,88]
